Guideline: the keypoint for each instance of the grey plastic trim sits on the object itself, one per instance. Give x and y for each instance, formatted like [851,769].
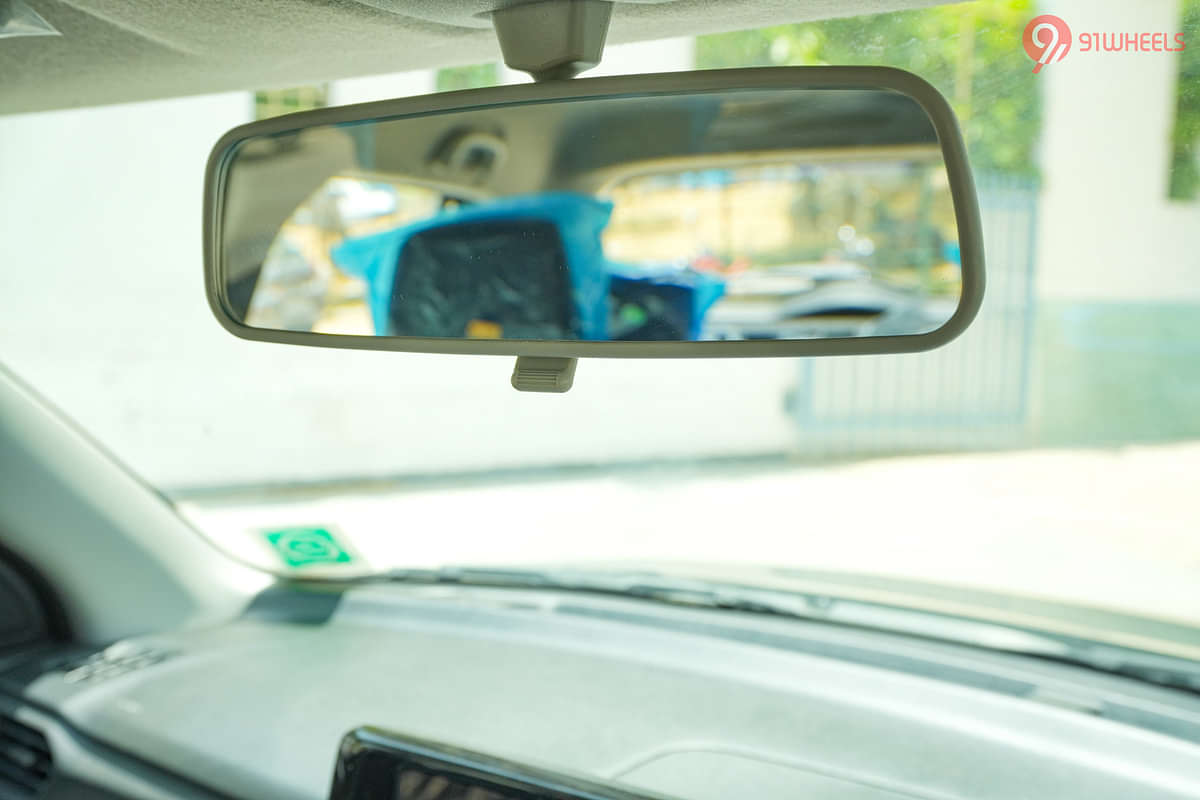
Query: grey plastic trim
[120,559]
[962,188]
[80,757]
[509,670]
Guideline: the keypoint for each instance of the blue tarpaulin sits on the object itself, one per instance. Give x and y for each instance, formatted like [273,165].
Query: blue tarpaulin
[679,293]
[579,219]
[610,300]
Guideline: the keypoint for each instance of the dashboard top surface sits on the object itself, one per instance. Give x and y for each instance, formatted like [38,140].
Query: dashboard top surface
[683,702]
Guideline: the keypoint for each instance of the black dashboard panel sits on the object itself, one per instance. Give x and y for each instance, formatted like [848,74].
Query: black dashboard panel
[377,765]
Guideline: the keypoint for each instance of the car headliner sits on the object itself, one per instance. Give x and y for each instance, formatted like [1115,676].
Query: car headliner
[112,51]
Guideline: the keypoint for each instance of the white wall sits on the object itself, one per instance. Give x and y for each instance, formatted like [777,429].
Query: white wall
[1107,229]
[663,55]
[102,308]
[382,87]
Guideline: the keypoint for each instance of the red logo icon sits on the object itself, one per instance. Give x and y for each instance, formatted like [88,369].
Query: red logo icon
[1047,39]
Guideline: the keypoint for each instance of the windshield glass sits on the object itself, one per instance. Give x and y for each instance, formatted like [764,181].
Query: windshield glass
[1050,452]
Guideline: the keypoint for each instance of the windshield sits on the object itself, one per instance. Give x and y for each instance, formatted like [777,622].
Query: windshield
[1051,452]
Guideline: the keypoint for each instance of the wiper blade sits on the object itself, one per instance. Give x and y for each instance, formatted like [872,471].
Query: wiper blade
[642,585]
[474,576]
[1167,671]
[649,585]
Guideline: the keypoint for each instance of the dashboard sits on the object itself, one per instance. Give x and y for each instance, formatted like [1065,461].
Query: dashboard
[679,702]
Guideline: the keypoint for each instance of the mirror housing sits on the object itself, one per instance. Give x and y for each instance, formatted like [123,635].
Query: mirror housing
[299,173]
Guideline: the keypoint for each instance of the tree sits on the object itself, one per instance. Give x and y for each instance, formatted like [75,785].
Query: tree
[473,76]
[1185,136]
[972,53]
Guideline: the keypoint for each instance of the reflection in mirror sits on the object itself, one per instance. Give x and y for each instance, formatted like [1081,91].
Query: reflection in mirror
[733,215]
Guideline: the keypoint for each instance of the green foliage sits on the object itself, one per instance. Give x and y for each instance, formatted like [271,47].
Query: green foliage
[1185,136]
[276,102]
[474,76]
[971,52]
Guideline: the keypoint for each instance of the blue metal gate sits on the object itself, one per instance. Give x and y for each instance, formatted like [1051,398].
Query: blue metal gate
[972,393]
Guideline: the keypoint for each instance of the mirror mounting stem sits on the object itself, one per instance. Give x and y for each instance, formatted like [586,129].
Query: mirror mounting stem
[551,40]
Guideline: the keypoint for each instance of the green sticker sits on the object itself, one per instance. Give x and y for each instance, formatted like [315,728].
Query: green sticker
[305,546]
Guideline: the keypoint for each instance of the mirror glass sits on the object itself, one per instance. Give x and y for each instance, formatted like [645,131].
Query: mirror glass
[722,215]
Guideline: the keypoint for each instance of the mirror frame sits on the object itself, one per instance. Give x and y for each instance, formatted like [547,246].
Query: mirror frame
[962,189]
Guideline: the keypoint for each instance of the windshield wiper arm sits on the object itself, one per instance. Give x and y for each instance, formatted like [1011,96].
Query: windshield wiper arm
[642,585]
[471,576]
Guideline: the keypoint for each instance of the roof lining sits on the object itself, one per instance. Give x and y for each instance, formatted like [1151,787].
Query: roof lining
[113,51]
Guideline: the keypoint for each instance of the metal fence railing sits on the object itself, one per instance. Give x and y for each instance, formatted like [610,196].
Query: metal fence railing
[972,393]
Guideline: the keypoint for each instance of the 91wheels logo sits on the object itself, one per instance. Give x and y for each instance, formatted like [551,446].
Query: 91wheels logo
[1047,39]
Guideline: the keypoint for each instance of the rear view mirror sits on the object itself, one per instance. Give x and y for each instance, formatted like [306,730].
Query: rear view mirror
[785,211]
